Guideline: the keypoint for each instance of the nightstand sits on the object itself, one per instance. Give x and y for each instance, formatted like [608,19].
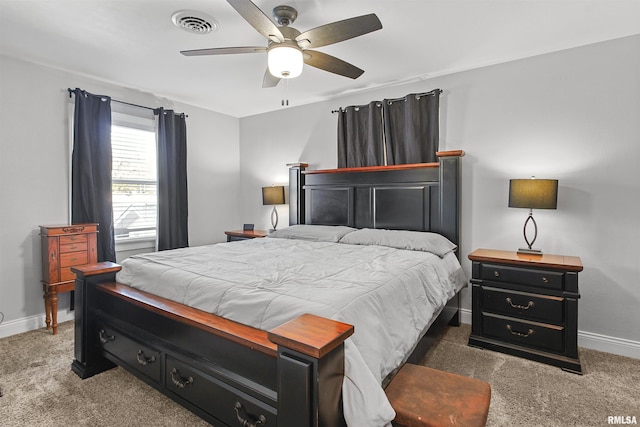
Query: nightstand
[526,305]
[236,235]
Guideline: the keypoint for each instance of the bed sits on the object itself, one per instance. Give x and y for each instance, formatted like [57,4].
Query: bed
[285,361]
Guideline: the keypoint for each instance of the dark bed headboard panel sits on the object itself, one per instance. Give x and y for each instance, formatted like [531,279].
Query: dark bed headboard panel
[421,197]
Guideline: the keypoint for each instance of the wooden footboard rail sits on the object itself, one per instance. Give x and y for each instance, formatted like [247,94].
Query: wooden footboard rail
[227,373]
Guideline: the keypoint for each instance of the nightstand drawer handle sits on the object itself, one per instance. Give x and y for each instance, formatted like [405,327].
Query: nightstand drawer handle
[545,280]
[496,273]
[520,334]
[521,307]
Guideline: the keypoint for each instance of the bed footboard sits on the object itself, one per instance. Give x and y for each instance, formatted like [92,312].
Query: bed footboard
[227,373]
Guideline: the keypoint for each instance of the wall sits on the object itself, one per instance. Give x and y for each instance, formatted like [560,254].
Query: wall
[570,115]
[34,170]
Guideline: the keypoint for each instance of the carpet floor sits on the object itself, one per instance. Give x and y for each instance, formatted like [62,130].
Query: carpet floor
[39,388]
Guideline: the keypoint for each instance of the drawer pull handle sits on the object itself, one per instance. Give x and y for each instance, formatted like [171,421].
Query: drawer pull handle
[521,307]
[545,280]
[247,420]
[144,360]
[74,259]
[496,273]
[178,381]
[104,338]
[520,334]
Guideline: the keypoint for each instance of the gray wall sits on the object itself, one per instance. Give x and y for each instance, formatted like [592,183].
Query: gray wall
[34,176]
[571,115]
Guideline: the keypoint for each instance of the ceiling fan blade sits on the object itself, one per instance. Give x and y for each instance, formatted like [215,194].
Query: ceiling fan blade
[269,80]
[223,50]
[331,64]
[339,31]
[258,20]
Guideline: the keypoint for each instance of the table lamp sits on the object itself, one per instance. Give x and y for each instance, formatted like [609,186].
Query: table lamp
[532,194]
[273,195]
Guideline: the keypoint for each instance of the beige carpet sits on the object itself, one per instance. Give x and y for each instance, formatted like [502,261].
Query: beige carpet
[40,389]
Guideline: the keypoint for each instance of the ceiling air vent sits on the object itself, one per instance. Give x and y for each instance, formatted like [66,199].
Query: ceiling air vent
[194,22]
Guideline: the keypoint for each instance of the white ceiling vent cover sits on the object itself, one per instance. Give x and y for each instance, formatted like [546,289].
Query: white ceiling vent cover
[194,22]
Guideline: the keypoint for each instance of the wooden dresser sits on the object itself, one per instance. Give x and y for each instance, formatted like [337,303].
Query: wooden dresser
[527,306]
[63,247]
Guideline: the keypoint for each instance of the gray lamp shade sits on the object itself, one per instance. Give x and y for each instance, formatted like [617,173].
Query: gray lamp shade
[273,195]
[533,193]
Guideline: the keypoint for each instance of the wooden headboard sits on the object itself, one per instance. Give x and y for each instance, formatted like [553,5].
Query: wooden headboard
[421,197]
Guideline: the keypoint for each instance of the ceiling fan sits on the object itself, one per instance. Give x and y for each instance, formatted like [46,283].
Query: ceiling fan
[288,48]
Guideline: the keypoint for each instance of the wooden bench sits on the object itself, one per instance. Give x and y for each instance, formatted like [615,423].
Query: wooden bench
[422,397]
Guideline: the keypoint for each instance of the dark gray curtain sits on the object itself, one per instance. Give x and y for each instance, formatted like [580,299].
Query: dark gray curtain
[411,128]
[173,229]
[91,169]
[360,136]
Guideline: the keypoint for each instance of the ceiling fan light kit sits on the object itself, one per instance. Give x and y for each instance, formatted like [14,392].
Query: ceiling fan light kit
[284,61]
[288,49]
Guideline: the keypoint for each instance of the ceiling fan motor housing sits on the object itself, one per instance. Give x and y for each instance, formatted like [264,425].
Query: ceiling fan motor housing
[284,15]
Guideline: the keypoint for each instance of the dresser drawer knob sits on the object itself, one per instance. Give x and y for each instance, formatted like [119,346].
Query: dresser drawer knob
[520,334]
[520,307]
[143,360]
[179,381]
[496,273]
[247,420]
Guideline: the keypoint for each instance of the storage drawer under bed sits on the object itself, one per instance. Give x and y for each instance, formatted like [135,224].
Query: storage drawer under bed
[140,357]
[215,397]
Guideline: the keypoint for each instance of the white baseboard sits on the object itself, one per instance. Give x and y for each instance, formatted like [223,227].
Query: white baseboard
[620,346]
[31,323]
[614,345]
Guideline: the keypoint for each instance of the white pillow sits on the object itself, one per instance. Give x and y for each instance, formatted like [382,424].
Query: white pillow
[402,239]
[316,233]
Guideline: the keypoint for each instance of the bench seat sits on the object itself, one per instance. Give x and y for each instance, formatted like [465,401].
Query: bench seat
[423,396]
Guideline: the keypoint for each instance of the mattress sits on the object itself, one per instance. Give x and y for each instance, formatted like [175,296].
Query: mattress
[390,295]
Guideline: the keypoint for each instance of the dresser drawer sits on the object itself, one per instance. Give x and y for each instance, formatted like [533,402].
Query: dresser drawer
[530,334]
[66,274]
[73,247]
[212,395]
[73,258]
[139,357]
[73,238]
[524,305]
[524,276]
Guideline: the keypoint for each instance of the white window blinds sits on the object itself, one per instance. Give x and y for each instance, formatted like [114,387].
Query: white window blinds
[135,181]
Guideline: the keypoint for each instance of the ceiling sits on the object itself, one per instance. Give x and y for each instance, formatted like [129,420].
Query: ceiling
[133,43]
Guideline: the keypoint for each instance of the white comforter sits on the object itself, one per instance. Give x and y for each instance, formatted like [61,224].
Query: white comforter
[389,295]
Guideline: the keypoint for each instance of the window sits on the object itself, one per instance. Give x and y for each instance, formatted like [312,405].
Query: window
[135,178]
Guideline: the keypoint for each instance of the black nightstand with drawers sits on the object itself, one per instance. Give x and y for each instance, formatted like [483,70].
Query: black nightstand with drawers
[527,306]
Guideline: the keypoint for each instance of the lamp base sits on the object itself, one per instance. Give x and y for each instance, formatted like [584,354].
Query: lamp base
[528,251]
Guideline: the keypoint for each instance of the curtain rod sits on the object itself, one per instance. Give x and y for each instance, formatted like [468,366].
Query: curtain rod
[71,92]
[434,91]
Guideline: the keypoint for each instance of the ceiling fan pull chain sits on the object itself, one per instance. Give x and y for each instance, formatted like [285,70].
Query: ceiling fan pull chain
[285,90]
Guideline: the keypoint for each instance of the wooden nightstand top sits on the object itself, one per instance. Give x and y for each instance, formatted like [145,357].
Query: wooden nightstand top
[568,263]
[247,234]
